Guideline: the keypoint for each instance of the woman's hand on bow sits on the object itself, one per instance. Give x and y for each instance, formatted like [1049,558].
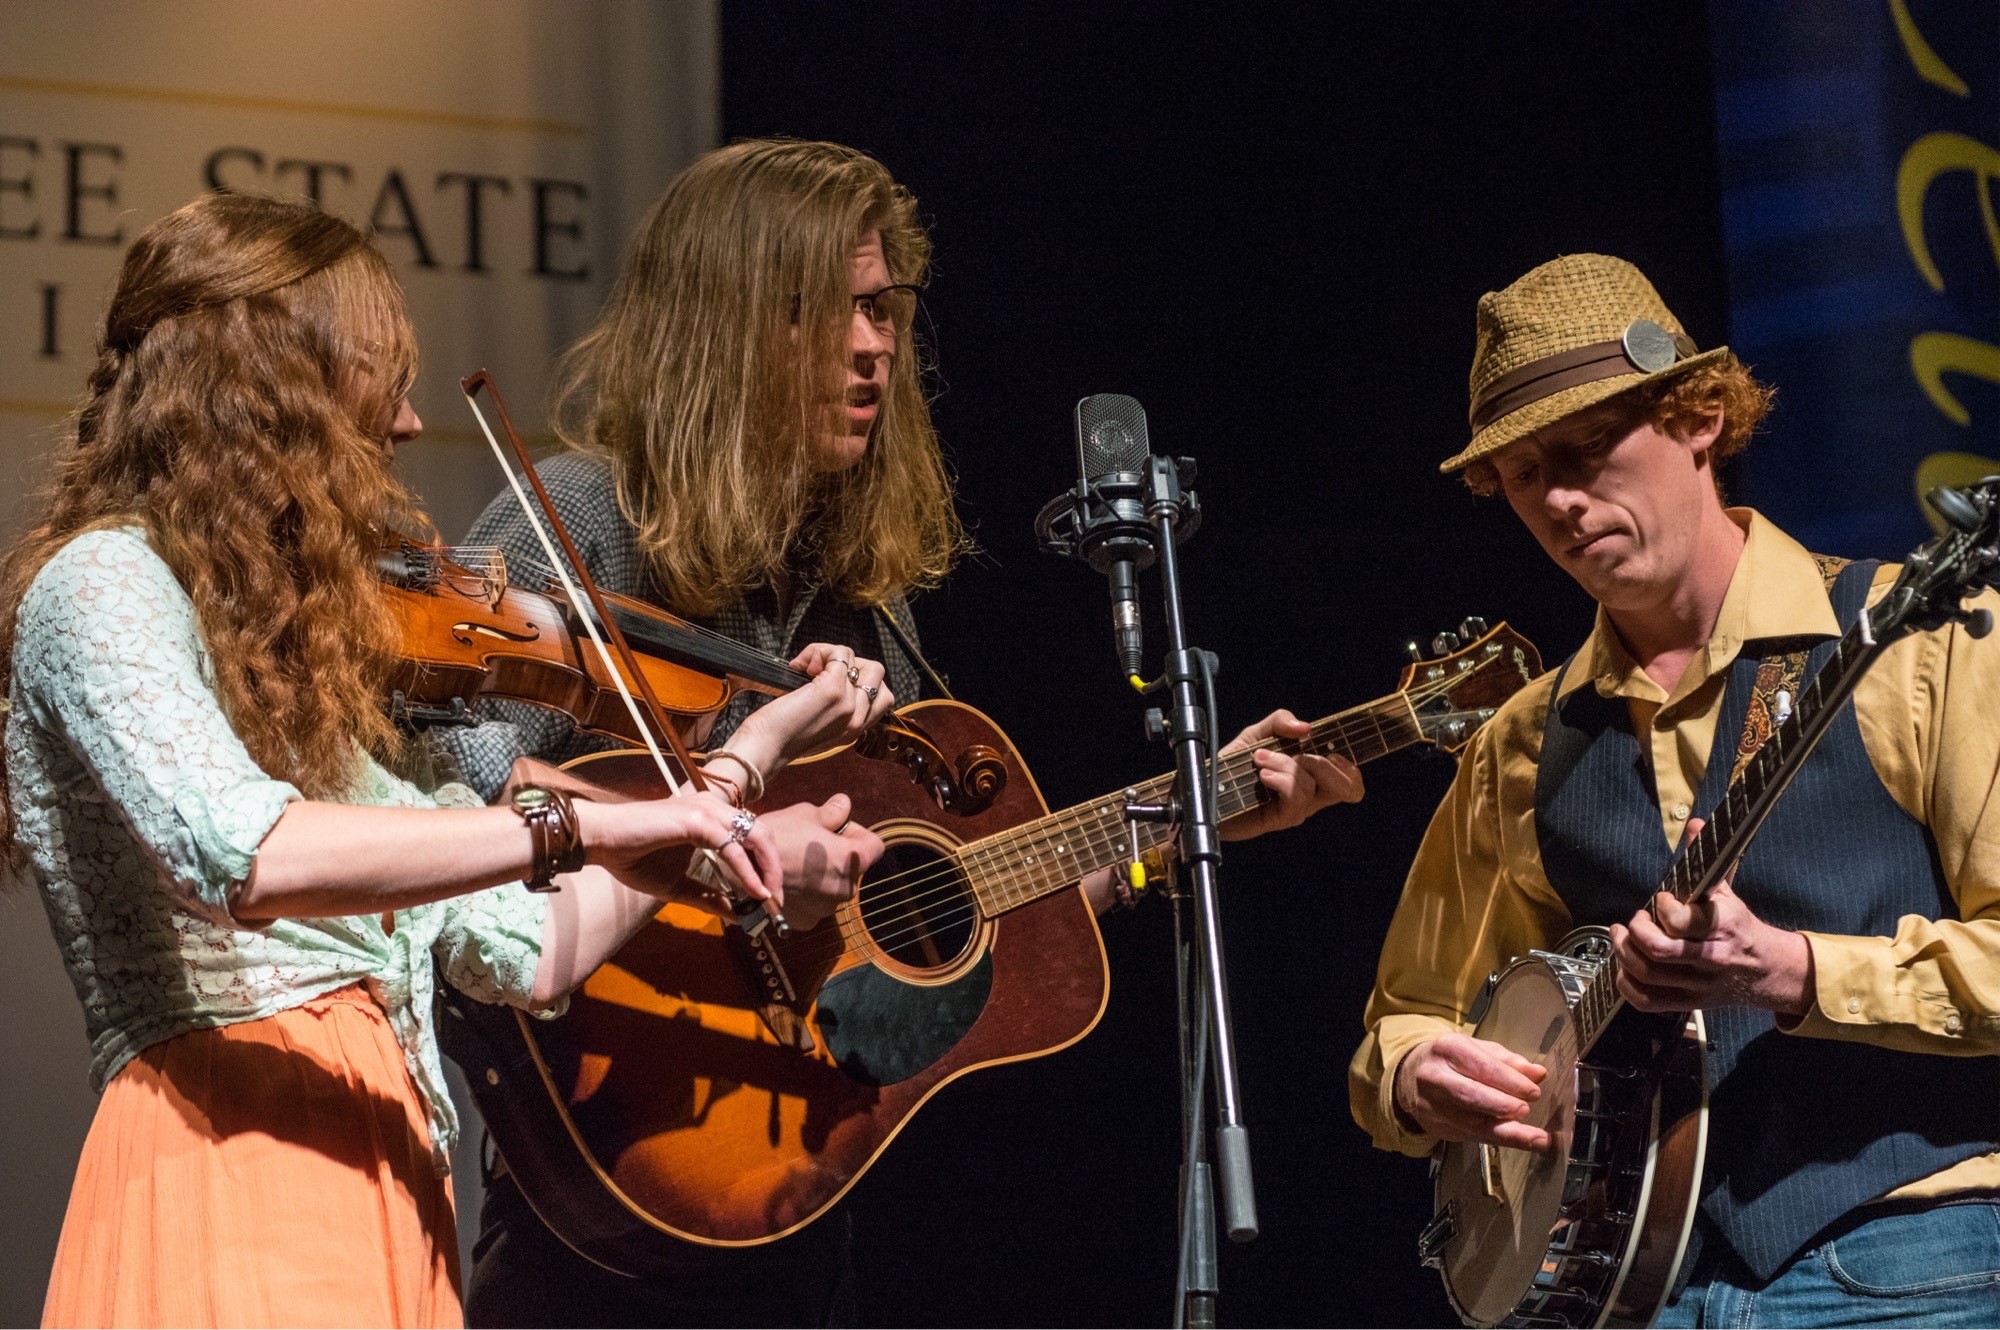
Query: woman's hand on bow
[619,836]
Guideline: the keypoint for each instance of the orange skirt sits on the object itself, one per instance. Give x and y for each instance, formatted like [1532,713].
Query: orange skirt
[276,1172]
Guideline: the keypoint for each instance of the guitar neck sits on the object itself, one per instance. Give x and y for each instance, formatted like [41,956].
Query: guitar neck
[1030,861]
[1714,852]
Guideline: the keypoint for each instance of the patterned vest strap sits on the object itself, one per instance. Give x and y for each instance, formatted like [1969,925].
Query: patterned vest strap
[1780,674]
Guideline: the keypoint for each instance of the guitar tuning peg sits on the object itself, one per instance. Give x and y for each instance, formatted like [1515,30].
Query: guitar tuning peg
[1445,643]
[1415,649]
[1978,624]
[1472,629]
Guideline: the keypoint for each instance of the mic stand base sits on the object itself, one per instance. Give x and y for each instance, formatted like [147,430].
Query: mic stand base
[1196,1283]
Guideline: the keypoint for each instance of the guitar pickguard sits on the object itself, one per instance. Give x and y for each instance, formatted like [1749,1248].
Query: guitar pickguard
[880,1029]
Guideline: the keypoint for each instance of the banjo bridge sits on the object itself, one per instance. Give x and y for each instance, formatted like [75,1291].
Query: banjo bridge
[1489,1173]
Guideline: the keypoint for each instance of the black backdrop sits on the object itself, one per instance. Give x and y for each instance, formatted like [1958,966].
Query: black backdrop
[1269,223]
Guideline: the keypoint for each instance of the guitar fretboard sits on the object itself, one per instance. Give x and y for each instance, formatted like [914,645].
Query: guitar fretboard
[1030,861]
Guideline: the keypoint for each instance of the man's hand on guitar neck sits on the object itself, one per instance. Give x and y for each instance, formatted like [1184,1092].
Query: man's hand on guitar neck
[1298,786]
[1718,953]
[1303,784]
[1457,1088]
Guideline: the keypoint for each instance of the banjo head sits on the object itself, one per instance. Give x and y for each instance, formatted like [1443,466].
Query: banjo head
[1504,1203]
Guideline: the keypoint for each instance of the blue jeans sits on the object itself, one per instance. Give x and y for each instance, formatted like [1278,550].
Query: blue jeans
[1939,1266]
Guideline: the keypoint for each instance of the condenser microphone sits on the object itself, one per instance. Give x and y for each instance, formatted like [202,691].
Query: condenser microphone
[1112,453]
[1106,520]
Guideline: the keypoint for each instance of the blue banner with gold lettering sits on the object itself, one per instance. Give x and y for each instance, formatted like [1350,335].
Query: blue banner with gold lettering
[1860,152]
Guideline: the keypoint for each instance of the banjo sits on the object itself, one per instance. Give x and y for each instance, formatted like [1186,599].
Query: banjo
[1592,1231]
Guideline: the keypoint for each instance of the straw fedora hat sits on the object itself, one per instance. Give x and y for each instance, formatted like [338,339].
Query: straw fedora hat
[1566,336]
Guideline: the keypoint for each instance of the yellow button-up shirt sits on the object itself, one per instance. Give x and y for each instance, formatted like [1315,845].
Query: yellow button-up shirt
[1929,712]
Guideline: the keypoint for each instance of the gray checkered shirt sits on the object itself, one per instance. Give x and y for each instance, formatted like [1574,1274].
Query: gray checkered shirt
[585,497]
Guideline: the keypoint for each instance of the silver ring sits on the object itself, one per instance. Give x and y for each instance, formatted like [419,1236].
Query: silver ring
[872,691]
[739,826]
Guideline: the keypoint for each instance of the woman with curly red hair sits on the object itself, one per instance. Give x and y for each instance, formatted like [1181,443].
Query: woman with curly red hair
[201,775]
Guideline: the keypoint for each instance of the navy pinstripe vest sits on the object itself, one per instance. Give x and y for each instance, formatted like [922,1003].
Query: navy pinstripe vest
[1802,1130]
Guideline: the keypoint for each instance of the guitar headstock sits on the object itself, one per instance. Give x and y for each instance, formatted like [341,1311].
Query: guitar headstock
[1940,574]
[1458,686]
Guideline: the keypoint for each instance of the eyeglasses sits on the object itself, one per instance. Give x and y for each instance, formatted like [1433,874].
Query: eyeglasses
[891,310]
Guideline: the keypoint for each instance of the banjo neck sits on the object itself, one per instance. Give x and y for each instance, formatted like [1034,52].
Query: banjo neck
[1713,853]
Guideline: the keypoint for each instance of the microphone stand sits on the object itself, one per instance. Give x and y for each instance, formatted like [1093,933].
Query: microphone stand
[1207,1036]
[1126,516]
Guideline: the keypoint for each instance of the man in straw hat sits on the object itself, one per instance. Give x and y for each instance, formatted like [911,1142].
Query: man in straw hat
[1851,975]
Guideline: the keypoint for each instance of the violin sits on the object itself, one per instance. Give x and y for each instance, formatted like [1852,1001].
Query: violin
[465,633]
[653,723]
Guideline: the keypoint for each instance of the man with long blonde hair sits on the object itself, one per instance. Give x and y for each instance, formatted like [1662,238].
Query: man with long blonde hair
[750,446]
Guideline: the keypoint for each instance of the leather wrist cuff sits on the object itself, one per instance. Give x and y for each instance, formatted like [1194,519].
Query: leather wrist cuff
[555,833]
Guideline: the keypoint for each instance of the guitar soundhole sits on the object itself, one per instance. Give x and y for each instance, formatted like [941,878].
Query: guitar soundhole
[917,907]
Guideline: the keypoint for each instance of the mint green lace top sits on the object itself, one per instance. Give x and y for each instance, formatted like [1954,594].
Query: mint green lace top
[140,812]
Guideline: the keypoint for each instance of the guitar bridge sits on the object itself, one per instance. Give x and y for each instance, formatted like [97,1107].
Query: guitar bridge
[756,950]
[1489,1173]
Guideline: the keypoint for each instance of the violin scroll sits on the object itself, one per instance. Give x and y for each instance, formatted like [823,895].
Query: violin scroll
[967,785]
[982,774]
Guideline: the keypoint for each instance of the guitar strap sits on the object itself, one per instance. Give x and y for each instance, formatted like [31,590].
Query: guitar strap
[1781,673]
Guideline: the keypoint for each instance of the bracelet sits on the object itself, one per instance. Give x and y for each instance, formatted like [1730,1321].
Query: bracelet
[753,779]
[555,832]
[731,790]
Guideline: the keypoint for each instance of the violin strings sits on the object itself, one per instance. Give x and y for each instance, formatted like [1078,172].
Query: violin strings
[487,564]
[543,568]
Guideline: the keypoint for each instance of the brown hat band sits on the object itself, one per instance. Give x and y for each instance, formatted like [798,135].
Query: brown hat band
[1551,374]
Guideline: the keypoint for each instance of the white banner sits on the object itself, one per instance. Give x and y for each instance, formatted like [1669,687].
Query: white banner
[502,150]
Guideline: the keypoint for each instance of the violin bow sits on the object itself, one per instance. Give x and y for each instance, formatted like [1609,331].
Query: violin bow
[471,385]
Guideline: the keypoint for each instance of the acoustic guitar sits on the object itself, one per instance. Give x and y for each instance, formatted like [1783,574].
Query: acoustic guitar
[727,1089]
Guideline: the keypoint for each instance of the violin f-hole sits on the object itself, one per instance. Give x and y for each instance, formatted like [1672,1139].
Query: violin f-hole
[462,631]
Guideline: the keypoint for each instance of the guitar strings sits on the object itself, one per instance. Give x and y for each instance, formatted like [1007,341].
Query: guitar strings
[953,875]
[958,873]
[946,874]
